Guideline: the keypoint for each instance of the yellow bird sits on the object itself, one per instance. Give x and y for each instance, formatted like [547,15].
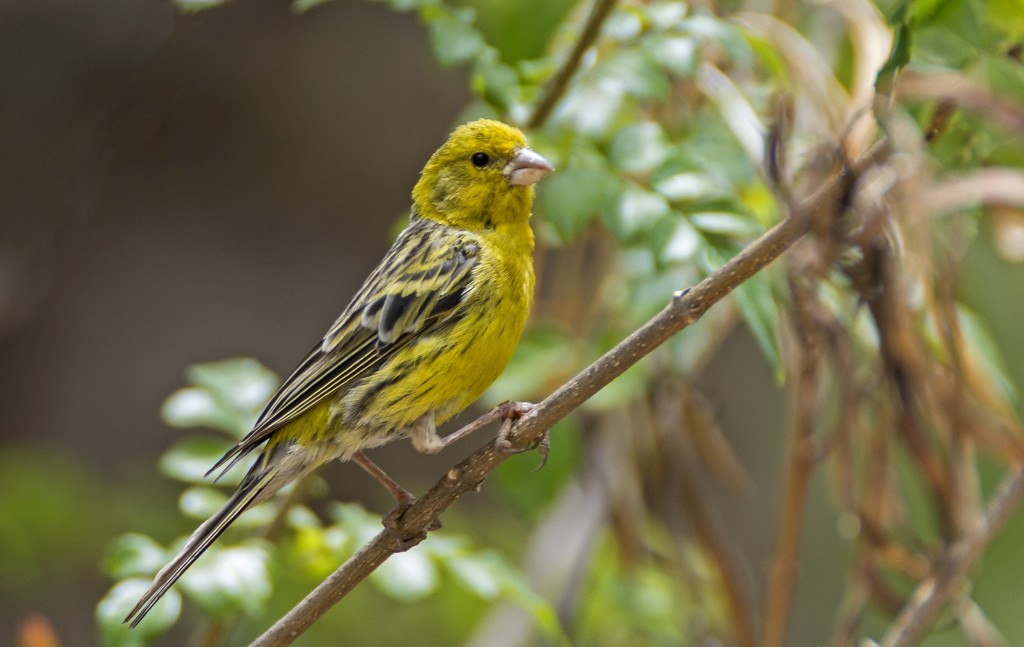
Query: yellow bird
[431,328]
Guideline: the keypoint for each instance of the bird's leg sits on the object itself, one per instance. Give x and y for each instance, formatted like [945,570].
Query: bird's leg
[401,494]
[424,432]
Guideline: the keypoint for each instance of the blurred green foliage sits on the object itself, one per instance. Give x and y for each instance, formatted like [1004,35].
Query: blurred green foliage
[236,576]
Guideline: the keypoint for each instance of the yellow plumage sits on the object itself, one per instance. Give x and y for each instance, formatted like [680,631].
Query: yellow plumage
[432,327]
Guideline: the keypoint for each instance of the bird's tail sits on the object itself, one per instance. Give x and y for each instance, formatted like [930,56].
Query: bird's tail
[252,490]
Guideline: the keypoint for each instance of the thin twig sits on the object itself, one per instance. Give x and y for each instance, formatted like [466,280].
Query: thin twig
[686,307]
[705,525]
[952,566]
[556,86]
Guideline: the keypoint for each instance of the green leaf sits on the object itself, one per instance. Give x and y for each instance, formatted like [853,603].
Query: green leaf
[623,25]
[1006,16]
[571,198]
[685,186]
[190,459]
[637,72]
[676,54]
[195,407]
[407,576]
[899,56]
[590,107]
[226,395]
[761,314]
[115,605]
[724,223]
[242,382]
[1006,77]
[664,15]
[513,585]
[201,502]
[496,82]
[228,580]
[475,574]
[452,35]
[682,244]
[299,516]
[638,210]
[134,554]
[356,520]
[639,147]
[708,28]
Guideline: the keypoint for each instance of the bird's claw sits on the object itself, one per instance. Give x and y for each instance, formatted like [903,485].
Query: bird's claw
[508,413]
[543,447]
[511,412]
[401,541]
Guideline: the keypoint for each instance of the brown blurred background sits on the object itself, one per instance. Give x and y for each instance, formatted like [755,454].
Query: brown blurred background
[175,189]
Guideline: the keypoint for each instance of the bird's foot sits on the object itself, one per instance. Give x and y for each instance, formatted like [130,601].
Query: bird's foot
[512,411]
[402,540]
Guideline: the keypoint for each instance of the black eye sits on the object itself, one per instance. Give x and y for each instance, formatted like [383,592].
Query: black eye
[480,159]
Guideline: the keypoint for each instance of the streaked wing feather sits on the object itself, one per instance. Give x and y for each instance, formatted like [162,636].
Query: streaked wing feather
[419,283]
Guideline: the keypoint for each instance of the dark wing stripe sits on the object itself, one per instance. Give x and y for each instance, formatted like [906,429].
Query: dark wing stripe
[394,316]
[371,311]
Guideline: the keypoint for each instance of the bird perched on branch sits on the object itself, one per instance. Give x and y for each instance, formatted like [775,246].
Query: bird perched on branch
[431,328]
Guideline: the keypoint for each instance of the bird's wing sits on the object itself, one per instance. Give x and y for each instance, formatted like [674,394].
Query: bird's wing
[419,284]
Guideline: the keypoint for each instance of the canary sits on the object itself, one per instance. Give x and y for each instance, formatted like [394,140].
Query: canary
[431,328]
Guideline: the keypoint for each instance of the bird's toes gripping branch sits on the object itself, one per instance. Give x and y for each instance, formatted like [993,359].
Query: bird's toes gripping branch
[509,412]
[400,539]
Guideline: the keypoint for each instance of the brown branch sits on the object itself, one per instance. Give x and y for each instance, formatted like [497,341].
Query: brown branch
[802,455]
[950,569]
[962,91]
[989,187]
[699,511]
[556,86]
[686,307]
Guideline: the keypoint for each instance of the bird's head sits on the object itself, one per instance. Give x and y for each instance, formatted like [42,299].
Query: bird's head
[482,177]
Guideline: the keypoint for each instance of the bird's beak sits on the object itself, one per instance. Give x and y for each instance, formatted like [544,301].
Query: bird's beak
[526,168]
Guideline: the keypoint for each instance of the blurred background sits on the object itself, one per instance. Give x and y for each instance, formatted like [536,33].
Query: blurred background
[178,188]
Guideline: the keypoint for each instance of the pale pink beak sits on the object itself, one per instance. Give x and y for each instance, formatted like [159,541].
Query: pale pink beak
[526,168]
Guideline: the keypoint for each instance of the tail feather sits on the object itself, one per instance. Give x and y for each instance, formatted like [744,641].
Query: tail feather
[247,494]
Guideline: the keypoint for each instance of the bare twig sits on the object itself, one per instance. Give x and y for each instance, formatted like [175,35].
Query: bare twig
[976,626]
[989,187]
[951,567]
[556,86]
[963,91]
[686,307]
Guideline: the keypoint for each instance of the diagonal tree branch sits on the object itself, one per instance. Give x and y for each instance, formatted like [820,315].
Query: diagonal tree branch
[685,308]
[949,571]
[556,86]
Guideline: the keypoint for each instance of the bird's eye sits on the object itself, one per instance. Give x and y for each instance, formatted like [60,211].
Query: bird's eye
[480,159]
